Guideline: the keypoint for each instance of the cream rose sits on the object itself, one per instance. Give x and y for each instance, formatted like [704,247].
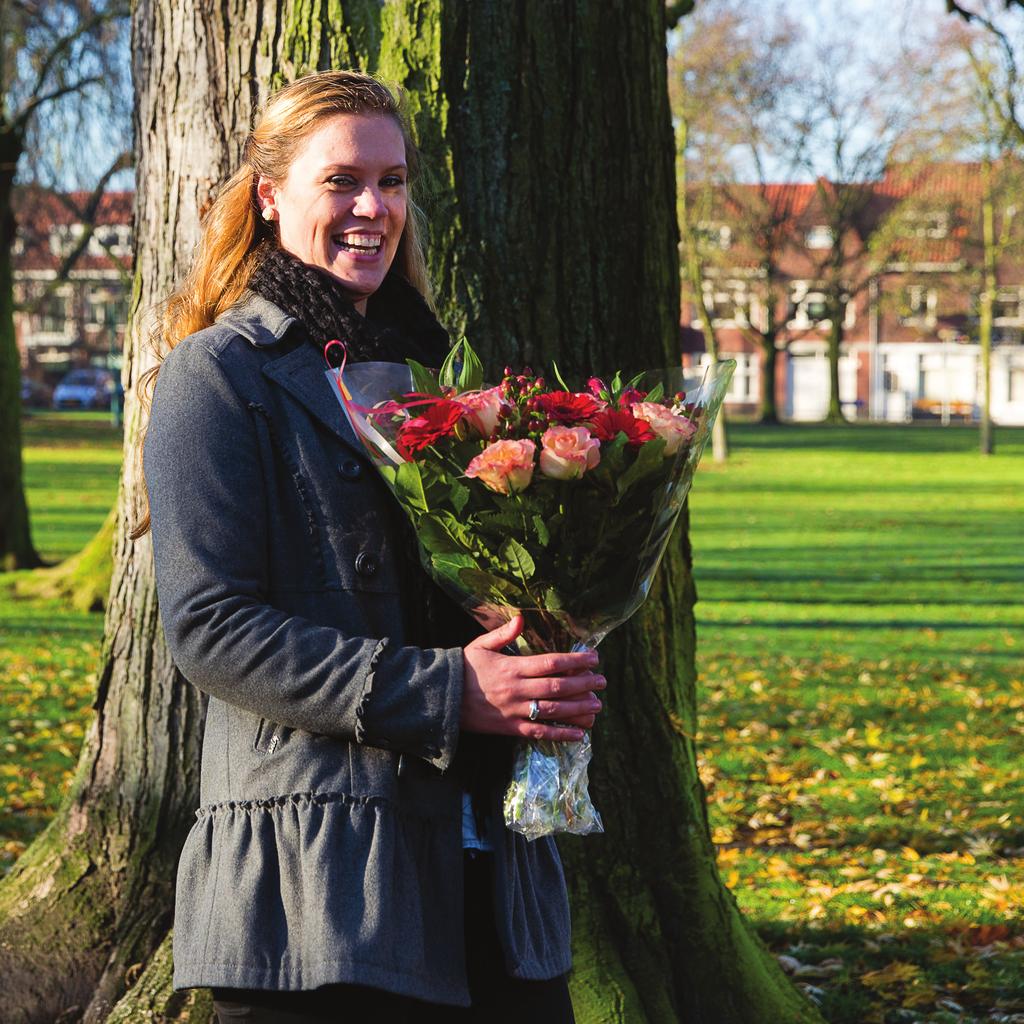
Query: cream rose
[504,466]
[676,430]
[568,452]
[483,410]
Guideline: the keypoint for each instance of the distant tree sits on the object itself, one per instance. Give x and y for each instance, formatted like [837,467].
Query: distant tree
[735,121]
[52,52]
[971,97]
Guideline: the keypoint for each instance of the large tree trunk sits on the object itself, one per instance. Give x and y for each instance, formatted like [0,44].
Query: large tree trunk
[553,236]
[16,550]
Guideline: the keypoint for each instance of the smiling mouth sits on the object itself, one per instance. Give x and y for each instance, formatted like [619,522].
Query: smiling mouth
[367,245]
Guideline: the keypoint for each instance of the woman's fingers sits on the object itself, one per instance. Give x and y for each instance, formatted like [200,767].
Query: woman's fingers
[556,664]
[538,731]
[563,710]
[561,687]
[501,637]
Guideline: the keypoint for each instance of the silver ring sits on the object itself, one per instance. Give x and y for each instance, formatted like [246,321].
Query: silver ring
[534,710]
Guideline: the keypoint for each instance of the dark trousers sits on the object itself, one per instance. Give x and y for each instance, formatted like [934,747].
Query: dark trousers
[496,997]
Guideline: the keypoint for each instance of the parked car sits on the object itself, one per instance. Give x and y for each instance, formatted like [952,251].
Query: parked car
[90,387]
[35,394]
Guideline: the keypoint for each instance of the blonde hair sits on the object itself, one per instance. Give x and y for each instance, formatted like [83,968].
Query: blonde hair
[234,235]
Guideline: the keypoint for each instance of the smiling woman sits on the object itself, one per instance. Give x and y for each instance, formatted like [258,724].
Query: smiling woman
[342,204]
[358,731]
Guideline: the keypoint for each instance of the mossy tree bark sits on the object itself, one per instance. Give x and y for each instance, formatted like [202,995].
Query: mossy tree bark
[553,236]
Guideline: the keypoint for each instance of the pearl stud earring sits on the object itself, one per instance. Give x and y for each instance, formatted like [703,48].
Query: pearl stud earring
[268,213]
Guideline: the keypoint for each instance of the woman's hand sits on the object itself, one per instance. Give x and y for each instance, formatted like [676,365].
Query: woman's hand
[499,689]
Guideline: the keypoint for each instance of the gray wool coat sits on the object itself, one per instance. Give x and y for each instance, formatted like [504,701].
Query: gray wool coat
[327,847]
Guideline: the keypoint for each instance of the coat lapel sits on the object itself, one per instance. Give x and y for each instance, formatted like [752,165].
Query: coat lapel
[302,374]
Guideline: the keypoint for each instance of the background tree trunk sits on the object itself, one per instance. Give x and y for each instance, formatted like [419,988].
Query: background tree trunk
[550,238]
[986,441]
[767,409]
[16,550]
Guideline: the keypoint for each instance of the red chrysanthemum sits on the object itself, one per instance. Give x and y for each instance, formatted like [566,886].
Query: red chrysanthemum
[566,406]
[434,422]
[607,425]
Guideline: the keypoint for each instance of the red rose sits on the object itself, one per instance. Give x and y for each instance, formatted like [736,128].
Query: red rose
[607,425]
[421,431]
[566,406]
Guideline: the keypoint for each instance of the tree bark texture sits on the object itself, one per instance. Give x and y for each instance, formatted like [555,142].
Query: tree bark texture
[552,235]
[16,550]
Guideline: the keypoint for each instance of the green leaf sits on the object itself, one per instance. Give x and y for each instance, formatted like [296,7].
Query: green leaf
[435,538]
[471,370]
[649,460]
[558,376]
[543,534]
[409,487]
[518,559]
[459,495]
[446,375]
[423,380]
[471,376]
[654,395]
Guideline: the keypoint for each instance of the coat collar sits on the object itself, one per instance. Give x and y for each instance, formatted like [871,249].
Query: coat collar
[301,371]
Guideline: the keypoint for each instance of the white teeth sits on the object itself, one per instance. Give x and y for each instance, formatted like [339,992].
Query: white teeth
[359,243]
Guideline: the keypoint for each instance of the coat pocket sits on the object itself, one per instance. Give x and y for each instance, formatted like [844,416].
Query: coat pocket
[268,736]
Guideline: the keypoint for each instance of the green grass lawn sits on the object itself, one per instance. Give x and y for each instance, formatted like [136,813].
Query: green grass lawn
[861,638]
[48,653]
[862,698]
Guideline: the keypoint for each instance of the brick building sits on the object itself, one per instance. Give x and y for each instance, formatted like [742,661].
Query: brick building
[913,258]
[76,316]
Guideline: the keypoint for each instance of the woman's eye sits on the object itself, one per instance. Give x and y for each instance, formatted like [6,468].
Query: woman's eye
[392,181]
[342,180]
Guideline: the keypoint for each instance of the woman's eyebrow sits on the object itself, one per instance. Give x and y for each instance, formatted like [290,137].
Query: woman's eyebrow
[359,167]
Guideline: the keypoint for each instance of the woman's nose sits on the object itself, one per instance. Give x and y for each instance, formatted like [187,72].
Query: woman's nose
[369,203]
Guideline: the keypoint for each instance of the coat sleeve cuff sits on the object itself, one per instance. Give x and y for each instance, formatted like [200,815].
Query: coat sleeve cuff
[412,708]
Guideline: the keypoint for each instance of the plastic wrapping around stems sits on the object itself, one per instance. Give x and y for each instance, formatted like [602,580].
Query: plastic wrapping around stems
[576,557]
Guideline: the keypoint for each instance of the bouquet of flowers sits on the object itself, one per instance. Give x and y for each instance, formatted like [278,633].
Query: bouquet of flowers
[545,501]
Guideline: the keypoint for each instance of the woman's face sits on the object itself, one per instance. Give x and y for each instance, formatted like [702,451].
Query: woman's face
[341,206]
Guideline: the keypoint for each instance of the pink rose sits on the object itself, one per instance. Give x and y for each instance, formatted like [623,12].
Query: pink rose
[504,466]
[676,430]
[568,452]
[483,410]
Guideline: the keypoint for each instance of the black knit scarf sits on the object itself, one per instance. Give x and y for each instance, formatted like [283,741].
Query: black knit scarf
[398,322]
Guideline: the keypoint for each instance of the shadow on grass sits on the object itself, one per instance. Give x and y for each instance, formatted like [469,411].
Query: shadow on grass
[872,437]
[942,963]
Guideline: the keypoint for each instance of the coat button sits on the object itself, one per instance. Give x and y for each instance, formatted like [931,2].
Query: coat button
[366,564]
[350,469]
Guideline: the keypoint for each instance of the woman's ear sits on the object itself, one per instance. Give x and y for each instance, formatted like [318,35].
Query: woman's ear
[266,193]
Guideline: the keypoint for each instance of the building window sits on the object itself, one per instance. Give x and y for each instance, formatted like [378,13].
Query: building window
[715,235]
[52,314]
[917,305]
[745,386]
[106,307]
[819,237]
[1008,306]
[111,239]
[64,238]
[807,306]
[925,224]
[1015,383]
[728,302]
